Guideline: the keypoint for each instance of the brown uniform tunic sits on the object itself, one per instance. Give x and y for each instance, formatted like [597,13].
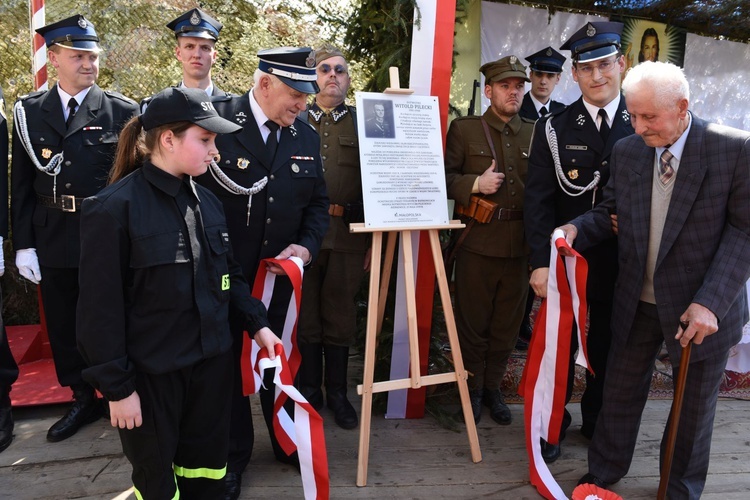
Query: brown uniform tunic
[492,264]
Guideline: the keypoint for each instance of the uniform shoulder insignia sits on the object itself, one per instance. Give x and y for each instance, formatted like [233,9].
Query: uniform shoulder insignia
[222,98]
[558,110]
[120,96]
[31,95]
[307,124]
[527,120]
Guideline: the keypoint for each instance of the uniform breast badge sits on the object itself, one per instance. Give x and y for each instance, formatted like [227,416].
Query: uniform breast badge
[580,120]
[295,168]
[46,153]
[243,163]
[240,117]
[573,174]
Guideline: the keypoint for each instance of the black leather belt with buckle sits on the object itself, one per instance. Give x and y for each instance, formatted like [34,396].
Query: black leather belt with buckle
[65,202]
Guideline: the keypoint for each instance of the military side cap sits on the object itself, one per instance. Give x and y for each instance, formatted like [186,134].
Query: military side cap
[177,104]
[327,51]
[295,66]
[594,41]
[196,23]
[507,67]
[546,61]
[75,32]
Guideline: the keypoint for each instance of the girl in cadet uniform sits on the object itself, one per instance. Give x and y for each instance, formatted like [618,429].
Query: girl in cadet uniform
[158,282]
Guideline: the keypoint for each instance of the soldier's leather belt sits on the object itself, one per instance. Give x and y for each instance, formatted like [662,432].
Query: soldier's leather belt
[66,203]
[507,214]
[336,210]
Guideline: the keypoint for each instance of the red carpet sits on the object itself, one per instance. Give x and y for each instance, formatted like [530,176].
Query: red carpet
[37,381]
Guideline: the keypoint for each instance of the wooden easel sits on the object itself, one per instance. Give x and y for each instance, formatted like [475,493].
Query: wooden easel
[378,292]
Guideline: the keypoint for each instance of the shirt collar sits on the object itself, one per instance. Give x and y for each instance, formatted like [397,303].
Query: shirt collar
[259,115]
[65,97]
[167,182]
[209,90]
[337,113]
[538,105]
[610,108]
[679,145]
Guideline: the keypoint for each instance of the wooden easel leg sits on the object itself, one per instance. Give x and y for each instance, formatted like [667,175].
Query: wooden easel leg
[385,279]
[458,362]
[411,308]
[369,366]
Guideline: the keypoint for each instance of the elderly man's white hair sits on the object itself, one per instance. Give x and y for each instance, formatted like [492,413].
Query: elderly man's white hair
[258,74]
[666,79]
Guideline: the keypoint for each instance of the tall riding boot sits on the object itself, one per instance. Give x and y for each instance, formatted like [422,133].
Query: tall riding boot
[86,408]
[337,360]
[6,418]
[310,374]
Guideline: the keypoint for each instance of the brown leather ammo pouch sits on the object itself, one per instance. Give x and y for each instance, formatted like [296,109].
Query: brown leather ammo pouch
[479,208]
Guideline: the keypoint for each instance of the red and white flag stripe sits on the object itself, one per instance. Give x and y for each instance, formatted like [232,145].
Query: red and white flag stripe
[544,381]
[39,50]
[304,434]
[430,74]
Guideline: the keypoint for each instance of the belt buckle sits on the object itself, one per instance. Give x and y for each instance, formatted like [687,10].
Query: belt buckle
[500,213]
[68,203]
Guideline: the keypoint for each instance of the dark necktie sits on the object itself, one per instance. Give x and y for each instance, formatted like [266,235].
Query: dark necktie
[666,172]
[603,128]
[543,111]
[72,105]
[272,143]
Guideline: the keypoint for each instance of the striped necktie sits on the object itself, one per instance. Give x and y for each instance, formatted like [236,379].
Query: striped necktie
[666,172]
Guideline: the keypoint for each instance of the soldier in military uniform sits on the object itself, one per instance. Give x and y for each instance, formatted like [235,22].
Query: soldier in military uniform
[491,274]
[545,68]
[196,33]
[328,318]
[270,180]
[8,366]
[566,181]
[63,147]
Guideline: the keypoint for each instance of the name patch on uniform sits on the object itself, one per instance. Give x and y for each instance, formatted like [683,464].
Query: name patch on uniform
[575,147]
[225,282]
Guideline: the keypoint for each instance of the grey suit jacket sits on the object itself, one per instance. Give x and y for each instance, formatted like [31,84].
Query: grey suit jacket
[704,255]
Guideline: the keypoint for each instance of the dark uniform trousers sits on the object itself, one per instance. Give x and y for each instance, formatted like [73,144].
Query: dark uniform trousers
[197,453]
[88,146]
[8,366]
[292,208]
[491,297]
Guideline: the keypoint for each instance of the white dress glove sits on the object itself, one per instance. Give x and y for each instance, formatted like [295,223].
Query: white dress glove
[28,265]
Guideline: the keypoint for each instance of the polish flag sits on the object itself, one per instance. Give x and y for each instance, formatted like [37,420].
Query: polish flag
[430,74]
[545,375]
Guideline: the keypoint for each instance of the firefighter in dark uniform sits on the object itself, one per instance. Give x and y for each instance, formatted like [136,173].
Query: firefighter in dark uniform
[196,33]
[566,181]
[491,275]
[545,68]
[328,317]
[157,281]
[64,142]
[8,366]
[270,180]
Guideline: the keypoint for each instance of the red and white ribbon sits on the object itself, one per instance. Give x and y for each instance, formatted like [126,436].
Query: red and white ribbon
[304,433]
[263,291]
[544,381]
[39,56]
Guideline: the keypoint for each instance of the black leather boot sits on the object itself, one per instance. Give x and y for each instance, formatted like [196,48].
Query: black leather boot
[499,411]
[310,374]
[475,397]
[337,360]
[85,409]
[6,418]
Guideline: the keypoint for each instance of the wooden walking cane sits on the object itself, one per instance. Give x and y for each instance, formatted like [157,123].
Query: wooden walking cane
[674,422]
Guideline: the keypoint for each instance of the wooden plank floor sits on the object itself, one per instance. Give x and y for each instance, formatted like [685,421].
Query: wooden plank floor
[415,459]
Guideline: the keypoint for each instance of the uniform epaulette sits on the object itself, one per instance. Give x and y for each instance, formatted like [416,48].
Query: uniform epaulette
[467,117]
[31,95]
[120,96]
[307,123]
[558,111]
[527,120]
[222,98]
